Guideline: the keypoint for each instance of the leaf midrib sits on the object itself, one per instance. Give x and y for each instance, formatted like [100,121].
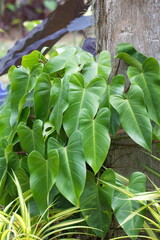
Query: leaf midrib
[68,166]
[134,117]
[149,94]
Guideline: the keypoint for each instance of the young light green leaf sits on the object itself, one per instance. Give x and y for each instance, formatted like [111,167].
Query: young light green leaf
[123,207]
[37,69]
[31,139]
[43,174]
[72,170]
[72,65]
[84,57]
[42,96]
[96,139]
[149,81]
[31,59]
[96,201]
[81,97]
[133,116]
[55,64]
[59,101]
[104,64]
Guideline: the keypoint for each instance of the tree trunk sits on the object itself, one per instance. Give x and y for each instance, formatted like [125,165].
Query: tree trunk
[136,22]
[132,21]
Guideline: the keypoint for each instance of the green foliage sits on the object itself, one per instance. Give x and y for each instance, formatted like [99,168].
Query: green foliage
[17,223]
[72,170]
[58,123]
[50,5]
[132,109]
[123,208]
[135,221]
[29,25]
[98,199]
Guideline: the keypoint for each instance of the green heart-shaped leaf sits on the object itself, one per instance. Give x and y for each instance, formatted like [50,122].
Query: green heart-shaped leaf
[96,139]
[96,201]
[31,139]
[149,81]
[43,173]
[133,116]
[82,97]
[123,207]
[72,170]
[42,96]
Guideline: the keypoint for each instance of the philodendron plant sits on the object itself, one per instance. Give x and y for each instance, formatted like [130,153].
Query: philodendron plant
[57,122]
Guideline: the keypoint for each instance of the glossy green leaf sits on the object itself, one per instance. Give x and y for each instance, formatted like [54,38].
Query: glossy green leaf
[130,50]
[72,170]
[96,139]
[115,87]
[67,51]
[25,114]
[96,201]
[3,165]
[31,59]
[104,64]
[149,81]
[133,116]
[5,127]
[23,178]
[42,96]
[48,129]
[13,162]
[37,69]
[31,139]
[51,6]
[43,173]
[103,68]
[72,65]
[59,101]
[84,57]
[82,97]
[21,83]
[89,71]
[130,60]
[123,207]
[55,64]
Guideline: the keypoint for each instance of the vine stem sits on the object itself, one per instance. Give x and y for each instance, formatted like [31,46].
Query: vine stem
[21,152]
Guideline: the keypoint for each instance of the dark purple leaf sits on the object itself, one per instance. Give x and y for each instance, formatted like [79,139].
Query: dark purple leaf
[90,45]
[81,23]
[45,34]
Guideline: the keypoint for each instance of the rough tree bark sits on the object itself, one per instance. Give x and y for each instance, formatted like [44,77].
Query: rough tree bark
[133,21]
[136,22]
